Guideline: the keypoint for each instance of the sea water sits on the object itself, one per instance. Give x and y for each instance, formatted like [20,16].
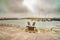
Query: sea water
[39,24]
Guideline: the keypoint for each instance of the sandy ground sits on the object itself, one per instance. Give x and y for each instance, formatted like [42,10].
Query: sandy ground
[13,33]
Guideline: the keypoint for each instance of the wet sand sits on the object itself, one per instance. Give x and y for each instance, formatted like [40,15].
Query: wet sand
[14,33]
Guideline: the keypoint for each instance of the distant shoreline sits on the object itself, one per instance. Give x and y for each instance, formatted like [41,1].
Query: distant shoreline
[36,19]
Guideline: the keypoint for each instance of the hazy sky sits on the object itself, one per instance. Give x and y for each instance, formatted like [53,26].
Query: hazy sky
[30,8]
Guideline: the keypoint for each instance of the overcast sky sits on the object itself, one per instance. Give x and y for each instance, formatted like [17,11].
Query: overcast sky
[30,8]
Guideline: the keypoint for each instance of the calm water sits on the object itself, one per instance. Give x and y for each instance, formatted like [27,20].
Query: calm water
[39,24]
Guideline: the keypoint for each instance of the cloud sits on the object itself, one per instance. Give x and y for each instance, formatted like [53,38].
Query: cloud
[15,6]
[30,8]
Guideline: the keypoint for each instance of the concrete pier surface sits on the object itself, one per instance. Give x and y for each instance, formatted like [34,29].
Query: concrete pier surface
[16,33]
